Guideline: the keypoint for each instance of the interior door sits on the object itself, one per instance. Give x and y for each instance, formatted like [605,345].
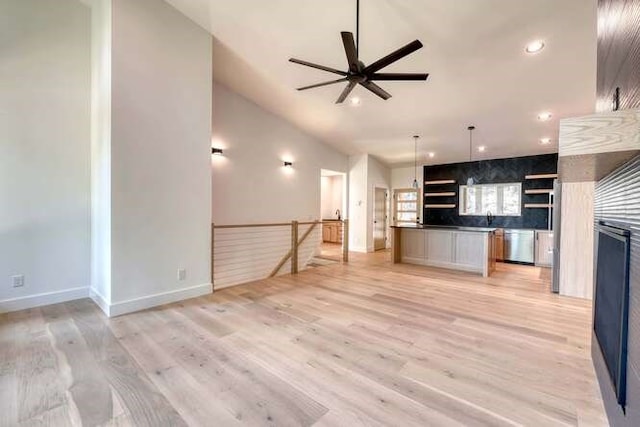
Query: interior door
[380,219]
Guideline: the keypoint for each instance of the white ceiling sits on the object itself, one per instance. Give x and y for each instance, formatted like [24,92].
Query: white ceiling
[473,49]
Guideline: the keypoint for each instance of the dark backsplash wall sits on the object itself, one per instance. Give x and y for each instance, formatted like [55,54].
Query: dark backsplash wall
[616,200]
[619,53]
[486,172]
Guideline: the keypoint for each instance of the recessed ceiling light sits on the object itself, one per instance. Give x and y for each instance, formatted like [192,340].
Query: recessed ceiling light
[482,148]
[354,101]
[432,155]
[535,46]
[544,116]
[545,141]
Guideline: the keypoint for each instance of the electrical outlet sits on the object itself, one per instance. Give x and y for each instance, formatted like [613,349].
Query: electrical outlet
[182,274]
[17,280]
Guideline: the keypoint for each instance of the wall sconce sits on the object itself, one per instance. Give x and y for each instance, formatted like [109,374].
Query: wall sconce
[288,164]
[216,151]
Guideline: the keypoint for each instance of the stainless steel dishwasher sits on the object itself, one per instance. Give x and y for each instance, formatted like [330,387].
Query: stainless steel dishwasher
[519,246]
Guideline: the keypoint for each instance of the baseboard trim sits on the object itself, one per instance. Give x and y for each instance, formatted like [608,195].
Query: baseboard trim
[359,249]
[100,301]
[46,298]
[142,303]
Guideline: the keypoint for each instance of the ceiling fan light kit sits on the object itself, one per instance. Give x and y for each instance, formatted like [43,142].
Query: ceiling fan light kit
[365,75]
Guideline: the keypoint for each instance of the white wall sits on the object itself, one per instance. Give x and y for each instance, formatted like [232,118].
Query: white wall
[358,202]
[250,184]
[337,196]
[403,178]
[160,155]
[45,78]
[331,190]
[365,174]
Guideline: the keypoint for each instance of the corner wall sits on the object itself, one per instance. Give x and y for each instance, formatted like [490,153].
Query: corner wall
[45,93]
[160,155]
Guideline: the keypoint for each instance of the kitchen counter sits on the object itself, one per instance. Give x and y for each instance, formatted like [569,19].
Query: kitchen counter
[446,227]
[469,249]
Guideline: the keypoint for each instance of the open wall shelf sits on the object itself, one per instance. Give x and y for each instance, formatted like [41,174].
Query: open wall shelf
[539,191]
[538,205]
[440,182]
[443,194]
[542,176]
[447,206]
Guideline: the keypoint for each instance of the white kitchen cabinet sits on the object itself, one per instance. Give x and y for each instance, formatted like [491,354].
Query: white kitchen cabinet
[413,245]
[448,247]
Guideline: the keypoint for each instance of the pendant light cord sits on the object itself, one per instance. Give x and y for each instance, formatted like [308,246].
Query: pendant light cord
[471,128]
[415,161]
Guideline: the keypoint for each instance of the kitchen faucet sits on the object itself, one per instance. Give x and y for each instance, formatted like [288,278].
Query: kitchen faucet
[338,213]
[489,218]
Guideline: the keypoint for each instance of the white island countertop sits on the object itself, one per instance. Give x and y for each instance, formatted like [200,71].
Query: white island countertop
[445,227]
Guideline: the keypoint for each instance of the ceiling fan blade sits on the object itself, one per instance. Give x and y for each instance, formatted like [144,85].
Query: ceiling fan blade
[347,90]
[399,76]
[393,57]
[376,89]
[350,50]
[319,67]
[323,84]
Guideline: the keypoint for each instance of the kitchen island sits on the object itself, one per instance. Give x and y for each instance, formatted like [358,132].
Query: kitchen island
[469,249]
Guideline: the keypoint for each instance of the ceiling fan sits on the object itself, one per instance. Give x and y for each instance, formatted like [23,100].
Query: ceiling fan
[358,73]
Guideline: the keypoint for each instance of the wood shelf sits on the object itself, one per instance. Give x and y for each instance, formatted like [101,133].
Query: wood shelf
[542,176]
[538,205]
[440,182]
[539,191]
[445,194]
[451,206]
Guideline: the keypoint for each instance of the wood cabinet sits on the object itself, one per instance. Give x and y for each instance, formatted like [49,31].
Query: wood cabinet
[544,248]
[499,244]
[332,232]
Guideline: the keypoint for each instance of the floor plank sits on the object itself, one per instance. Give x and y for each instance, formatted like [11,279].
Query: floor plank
[368,343]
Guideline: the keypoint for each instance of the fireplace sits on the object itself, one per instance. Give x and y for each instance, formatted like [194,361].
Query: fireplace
[611,303]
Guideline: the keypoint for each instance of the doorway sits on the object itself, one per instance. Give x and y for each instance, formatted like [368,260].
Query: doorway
[380,218]
[333,207]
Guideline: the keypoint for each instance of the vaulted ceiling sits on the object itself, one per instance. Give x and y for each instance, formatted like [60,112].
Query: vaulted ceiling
[473,50]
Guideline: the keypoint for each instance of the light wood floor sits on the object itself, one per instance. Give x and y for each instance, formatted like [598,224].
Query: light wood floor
[368,343]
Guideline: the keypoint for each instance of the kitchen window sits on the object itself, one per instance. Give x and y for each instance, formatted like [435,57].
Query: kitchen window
[499,199]
[405,206]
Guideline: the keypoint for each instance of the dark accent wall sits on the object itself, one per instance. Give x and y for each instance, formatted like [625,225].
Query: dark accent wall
[486,172]
[618,195]
[618,53]
[617,199]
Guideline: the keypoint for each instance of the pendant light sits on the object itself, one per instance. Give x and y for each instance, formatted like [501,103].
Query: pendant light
[470,180]
[415,184]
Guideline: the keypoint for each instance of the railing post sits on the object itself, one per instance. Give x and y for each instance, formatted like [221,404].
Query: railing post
[294,247]
[345,241]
